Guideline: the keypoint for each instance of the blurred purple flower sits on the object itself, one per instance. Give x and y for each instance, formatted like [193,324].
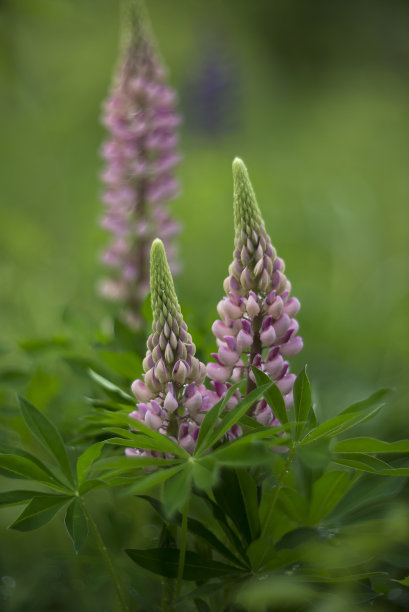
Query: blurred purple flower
[140,157]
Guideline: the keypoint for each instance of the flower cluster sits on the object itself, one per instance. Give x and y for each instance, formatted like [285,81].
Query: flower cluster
[172,397]
[257,325]
[140,157]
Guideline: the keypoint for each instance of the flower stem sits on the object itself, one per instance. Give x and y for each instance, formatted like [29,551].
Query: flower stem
[277,489]
[104,554]
[182,548]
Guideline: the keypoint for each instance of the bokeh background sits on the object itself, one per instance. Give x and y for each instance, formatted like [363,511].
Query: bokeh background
[314,96]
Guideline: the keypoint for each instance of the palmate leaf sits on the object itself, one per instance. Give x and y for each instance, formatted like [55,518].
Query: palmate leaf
[195,527]
[359,412]
[176,490]
[111,389]
[205,474]
[327,492]
[48,435]
[86,459]
[39,512]
[367,491]
[77,524]
[29,467]
[368,463]
[240,453]
[121,464]
[144,483]
[249,493]
[293,505]
[136,441]
[272,396]
[210,420]
[165,562]
[90,485]
[229,497]
[371,446]
[273,435]
[165,444]
[234,415]
[302,400]
[221,518]
[17,497]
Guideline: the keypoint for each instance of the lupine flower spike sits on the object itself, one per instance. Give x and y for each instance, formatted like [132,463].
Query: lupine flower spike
[172,398]
[140,157]
[257,325]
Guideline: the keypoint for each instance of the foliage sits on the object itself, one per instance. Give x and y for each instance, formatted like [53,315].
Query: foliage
[256,516]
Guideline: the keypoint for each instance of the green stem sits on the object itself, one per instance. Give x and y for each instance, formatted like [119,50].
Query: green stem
[104,554]
[276,492]
[182,548]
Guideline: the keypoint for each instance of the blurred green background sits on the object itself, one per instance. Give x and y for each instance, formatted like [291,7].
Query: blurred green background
[314,96]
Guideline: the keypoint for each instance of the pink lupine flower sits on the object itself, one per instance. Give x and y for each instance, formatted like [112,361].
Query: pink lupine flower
[257,325]
[172,398]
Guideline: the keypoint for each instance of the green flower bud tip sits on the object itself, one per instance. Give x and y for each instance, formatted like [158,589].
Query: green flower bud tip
[247,215]
[163,296]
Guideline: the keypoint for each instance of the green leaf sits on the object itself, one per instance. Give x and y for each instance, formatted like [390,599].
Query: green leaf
[228,496]
[235,415]
[366,405]
[77,524]
[127,365]
[302,400]
[29,469]
[177,489]
[367,491]
[86,459]
[165,562]
[210,420]
[165,444]
[327,492]
[273,396]
[241,453]
[205,474]
[360,412]
[367,463]
[293,505]
[47,434]
[371,445]
[195,527]
[297,537]
[136,441]
[221,517]
[249,493]
[111,389]
[145,483]
[15,498]
[90,485]
[123,464]
[202,606]
[315,456]
[39,512]
[338,424]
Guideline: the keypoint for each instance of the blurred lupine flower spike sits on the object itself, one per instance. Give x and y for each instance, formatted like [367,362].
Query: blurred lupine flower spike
[257,325]
[140,156]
